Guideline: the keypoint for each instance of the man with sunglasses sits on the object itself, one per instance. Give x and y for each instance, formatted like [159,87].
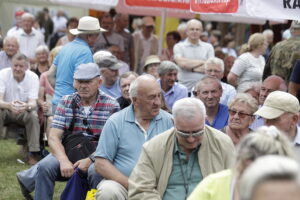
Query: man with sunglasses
[174,162]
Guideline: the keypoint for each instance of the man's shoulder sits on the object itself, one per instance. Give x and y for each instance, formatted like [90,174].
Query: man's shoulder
[4,73]
[206,44]
[227,86]
[179,87]
[159,141]
[216,135]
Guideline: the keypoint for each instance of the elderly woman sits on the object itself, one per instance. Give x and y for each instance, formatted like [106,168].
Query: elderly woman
[151,64]
[249,66]
[241,110]
[224,185]
[42,64]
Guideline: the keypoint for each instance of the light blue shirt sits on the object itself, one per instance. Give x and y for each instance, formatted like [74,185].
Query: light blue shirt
[178,91]
[228,93]
[221,118]
[113,91]
[122,138]
[67,60]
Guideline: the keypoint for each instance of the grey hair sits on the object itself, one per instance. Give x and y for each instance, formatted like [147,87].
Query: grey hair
[264,141]
[27,15]
[20,56]
[42,48]
[206,79]
[193,21]
[9,38]
[133,89]
[266,168]
[268,32]
[166,66]
[188,108]
[249,86]
[244,98]
[99,55]
[182,26]
[216,61]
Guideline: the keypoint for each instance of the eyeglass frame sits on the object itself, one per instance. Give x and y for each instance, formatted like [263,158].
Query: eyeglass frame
[241,115]
[187,135]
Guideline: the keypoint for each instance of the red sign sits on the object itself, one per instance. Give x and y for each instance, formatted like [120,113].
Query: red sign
[214,6]
[178,4]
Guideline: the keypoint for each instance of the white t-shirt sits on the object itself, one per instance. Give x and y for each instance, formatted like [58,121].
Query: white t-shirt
[248,68]
[23,91]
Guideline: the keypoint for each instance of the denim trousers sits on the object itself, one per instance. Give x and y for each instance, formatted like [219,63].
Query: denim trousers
[42,176]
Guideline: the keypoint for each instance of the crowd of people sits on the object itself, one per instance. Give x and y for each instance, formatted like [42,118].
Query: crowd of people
[197,121]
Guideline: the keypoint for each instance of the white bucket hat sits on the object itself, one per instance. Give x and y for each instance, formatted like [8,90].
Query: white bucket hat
[87,25]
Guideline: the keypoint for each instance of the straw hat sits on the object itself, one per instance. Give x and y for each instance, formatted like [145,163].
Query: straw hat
[87,25]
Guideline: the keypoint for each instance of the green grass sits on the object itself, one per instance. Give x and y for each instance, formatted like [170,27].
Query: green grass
[9,187]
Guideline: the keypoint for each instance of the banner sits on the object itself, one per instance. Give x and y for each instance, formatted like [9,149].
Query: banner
[281,9]
[178,4]
[91,4]
[214,6]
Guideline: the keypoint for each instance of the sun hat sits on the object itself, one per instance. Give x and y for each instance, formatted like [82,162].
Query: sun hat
[86,71]
[109,62]
[87,25]
[278,103]
[152,59]
[148,21]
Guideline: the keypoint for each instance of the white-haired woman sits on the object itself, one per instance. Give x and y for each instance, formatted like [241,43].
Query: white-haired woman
[224,185]
[42,64]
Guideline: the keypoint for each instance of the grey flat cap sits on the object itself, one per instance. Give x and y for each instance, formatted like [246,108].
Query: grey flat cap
[86,71]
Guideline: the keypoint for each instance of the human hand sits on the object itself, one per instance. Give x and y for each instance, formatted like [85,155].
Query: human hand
[66,168]
[199,69]
[83,164]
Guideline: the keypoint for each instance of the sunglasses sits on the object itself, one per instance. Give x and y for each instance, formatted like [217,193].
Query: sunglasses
[188,134]
[240,114]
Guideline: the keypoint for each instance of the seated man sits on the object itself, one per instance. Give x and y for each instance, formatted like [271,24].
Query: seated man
[19,89]
[209,90]
[124,134]
[174,162]
[90,108]
[125,80]
[10,48]
[172,90]
[215,67]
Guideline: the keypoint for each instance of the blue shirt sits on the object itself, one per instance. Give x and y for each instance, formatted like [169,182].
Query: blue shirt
[178,91]
[122,138]
[221,118]
[67,60]
[114,91]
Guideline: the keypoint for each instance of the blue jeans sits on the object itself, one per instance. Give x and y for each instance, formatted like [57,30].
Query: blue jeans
[43,175]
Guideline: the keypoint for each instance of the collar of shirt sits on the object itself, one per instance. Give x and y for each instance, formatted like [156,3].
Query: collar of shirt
[170,91]
[178,150]
[131,118]
[32,33]
[188,43]
[81,41]
[297,138]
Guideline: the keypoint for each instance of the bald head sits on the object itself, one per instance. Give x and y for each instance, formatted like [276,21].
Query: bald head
[270,84]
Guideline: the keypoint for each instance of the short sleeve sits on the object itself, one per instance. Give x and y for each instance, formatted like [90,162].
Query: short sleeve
[177,50]
[239,66]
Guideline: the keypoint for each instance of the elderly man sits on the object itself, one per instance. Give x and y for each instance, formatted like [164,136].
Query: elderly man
[109,69]
[270,84]
[174,162]
[19,89]
[215,67]
[209,90]
[10,48]
[88,108]
[125,80]
[124,134]
[28,37]
[191,54]
[172,90]
[284,55]
[72,55]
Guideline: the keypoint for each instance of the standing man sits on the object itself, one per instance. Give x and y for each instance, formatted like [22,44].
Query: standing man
[171,90]
[72,55]
[191,54]
[209,91]
[284,55]
[10,48]
[19,89]
[145,44]
[124,134]
[174,162]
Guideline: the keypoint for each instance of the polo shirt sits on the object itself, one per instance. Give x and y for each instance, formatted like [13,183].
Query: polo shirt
[178,91]
[122,138]
[200,51]
[67,60]
[221,119]
[228,93]
[5,61]
[183,168]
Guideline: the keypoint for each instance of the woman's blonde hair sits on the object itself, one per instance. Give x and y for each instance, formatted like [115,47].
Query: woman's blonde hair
[244,98]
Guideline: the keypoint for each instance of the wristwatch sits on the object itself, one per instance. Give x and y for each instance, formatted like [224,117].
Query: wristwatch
[92,157]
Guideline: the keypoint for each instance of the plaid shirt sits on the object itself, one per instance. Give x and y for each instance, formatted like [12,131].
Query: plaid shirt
[100,111]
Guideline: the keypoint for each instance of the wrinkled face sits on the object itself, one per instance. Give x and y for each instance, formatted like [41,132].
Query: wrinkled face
[276,190]
[87,89]
[214,70]
[210,94]
[42,57]
[152,69]
[19,68]
[125,84]
[11,47]
[266,88]
[168,79]
[148,100]
[27,24]
[284,122]
[109,76]
[192,125]
[194,30]
[107,23]
[240,116]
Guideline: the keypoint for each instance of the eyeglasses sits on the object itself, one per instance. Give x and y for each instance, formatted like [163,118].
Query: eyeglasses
[240,114]
[192,133]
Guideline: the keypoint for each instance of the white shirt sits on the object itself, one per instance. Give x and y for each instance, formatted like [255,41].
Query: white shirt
[29,42]
[59,23]
[27,89]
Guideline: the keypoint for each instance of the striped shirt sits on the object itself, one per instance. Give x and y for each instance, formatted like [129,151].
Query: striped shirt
[90,123]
